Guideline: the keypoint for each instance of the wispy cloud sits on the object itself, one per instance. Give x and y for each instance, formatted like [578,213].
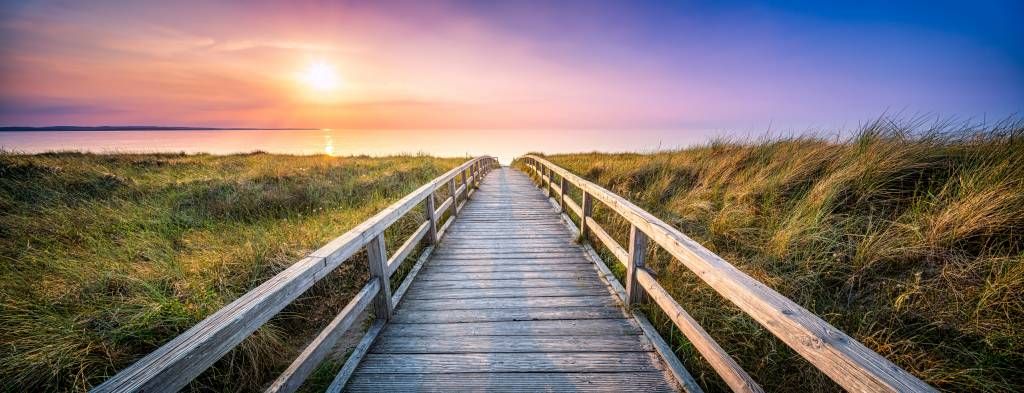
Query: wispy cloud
[455,64]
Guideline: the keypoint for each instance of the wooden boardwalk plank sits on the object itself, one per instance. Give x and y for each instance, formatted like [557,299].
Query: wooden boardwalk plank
[508,261]
[531,283]
[562,327]
[484,254]
[506,275]
[510,268]
[593,290]
[513,344]
[385,363]
[648,381]
[509,302]
[509,314]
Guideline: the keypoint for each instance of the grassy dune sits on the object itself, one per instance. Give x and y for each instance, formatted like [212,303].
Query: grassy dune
[909,238]
[105,257]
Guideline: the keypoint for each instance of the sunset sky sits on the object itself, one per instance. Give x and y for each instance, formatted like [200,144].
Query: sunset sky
[518,64]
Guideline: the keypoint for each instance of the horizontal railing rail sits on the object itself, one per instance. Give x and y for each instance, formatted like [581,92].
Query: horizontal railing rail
[182,359]
[846,361]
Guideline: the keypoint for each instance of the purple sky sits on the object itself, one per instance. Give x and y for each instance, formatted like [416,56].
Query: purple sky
[521,64]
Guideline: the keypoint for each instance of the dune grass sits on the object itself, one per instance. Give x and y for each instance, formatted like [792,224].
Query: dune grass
[909,237]
[103,258]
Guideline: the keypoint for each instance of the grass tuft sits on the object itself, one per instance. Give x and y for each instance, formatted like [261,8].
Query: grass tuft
[908,236]
[103,258]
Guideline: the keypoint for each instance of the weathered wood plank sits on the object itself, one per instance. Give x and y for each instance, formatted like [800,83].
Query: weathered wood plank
[620,253]
[510,268]
[454,197]
[610,362]
[595,290]
[508,261]
[444,227]
[376,258]
[672,363]
[511,344]
[534,251]
[506,275]
[353,360]
[637,254]
[555,189]
[584,327]
[320,347]
[541,234]
[586,211]
[563,188]
[431,217]
[523,302]
[443,207]
[537,249]
[727,368]
[561,236]
[573,207]
[455,245]
[508,255]
[480,284]
[507,225]
[406,248]
[410,278]
[508,314]
[539,217]
[640,382]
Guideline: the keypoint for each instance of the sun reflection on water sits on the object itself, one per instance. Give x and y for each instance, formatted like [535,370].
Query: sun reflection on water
[328,143]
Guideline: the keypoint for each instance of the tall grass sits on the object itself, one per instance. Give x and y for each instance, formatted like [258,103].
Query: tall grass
[103,258]
[907,236]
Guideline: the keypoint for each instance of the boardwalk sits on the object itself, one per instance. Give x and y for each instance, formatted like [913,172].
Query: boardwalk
[502,299]
[508,302]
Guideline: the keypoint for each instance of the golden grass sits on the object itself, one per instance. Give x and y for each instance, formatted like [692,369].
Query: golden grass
[906,236]
[103,258]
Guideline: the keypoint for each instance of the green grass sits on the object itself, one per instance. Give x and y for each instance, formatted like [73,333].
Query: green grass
[908,237]
[103,258]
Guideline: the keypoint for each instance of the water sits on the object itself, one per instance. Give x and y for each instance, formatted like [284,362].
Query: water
[504,144]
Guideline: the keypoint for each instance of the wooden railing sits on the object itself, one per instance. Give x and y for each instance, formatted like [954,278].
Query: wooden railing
[846,361]
[178,362]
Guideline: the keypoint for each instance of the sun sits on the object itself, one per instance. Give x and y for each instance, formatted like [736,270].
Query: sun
[320,76]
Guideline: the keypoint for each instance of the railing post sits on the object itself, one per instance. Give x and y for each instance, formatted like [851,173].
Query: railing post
[432,218]
[637,252]
[551,182]
[588,209]
[377,255]
[455,197]
[563,185]
[476,174]
[544,179]
[462,174]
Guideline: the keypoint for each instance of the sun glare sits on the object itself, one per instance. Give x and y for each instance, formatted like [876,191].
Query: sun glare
[320,76]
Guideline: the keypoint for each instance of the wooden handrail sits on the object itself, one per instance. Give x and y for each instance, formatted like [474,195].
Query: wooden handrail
[846,361]
[179,361]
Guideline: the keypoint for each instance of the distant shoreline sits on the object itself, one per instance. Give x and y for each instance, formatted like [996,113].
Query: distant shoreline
[142,128]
